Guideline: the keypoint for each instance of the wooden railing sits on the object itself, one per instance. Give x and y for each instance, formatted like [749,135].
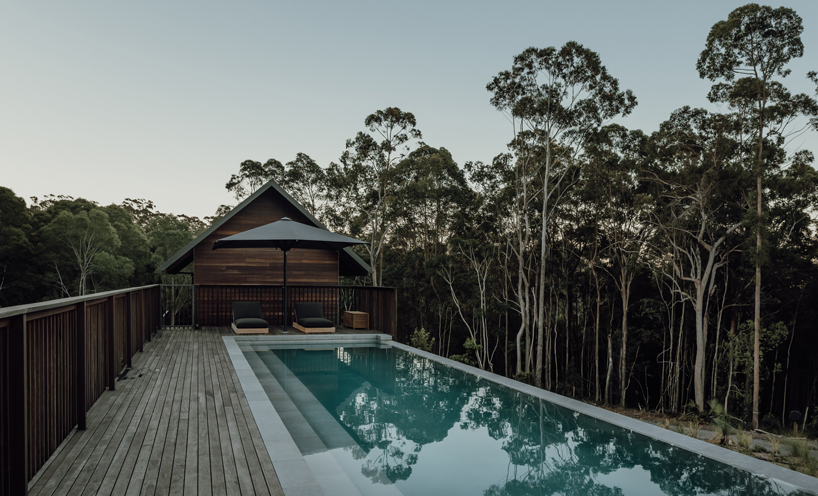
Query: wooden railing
[213,303]
[56,360]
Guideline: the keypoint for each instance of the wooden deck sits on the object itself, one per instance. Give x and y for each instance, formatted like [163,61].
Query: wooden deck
[177,423]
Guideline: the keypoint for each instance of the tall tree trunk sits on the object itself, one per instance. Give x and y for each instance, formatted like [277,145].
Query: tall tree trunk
[609,370]
[623,366]
[541,309]
[567,331]
[698,367]
[596,338]
[757,316]
[678,366]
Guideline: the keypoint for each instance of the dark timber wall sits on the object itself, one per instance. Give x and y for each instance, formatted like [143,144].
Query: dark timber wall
[262,266]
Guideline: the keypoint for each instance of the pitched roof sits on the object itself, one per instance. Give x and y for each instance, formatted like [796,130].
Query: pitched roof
[350,264]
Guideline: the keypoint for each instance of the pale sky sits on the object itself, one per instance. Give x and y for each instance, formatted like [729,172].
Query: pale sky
[108,100]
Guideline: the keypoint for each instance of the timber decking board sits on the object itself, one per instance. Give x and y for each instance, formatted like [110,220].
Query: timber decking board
[183,427]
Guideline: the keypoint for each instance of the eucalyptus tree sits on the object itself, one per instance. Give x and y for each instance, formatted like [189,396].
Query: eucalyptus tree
[75,242]
[471,295]
[365,179]
[506,187]
[554,99]
[141,210]
[354,183]
[625,220]
[133,248]
[252,175]
[431,191]
[749,51]
[702,207]
[306,181]
[431,205]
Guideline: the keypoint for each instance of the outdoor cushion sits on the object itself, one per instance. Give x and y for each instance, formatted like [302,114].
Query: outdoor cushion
[315,322]
[247,310]
[251,323]
[308,310]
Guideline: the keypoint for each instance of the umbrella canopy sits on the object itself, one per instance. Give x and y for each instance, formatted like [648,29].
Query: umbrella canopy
[285,234]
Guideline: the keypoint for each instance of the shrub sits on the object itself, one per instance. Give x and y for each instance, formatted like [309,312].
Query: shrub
[770,422]
[420,340]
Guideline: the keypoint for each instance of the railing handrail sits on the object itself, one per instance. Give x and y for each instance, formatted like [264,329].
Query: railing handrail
[64,302]
[328,286]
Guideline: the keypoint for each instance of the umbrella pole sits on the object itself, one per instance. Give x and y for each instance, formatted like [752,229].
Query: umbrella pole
[286,306]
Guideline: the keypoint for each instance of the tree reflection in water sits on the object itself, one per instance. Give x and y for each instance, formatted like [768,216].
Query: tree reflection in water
[394,403]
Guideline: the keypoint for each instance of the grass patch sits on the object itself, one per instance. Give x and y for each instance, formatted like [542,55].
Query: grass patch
[800,450]
[693,429]
[775,445]
[744,439]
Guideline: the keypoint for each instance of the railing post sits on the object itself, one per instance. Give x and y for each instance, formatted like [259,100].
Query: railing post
[192,306]
[146,324]
[138,316]
[18,406]
[111,344]
[393,321]
[82,329]
[128,331]
[157,309]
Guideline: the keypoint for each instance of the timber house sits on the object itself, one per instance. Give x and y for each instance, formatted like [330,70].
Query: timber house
[256,274]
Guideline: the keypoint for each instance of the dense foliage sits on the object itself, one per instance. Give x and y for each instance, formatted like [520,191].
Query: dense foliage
[59,247]
[601,262]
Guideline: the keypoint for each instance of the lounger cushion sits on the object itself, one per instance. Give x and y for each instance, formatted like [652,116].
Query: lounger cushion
[247,310]
[311,322]
[308,310]
[251,323]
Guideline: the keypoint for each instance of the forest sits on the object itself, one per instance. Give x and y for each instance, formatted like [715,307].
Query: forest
[660,270]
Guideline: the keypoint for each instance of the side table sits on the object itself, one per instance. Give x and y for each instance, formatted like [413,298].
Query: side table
[356,320]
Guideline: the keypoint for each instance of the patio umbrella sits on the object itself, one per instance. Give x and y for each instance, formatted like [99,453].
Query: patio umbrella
[286,234]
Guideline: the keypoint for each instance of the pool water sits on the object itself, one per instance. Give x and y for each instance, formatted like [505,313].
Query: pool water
[398,423]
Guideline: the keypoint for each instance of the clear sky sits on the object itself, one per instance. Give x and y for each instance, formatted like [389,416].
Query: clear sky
[108,100]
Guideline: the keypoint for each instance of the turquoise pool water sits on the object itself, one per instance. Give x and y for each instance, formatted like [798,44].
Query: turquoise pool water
[397,423]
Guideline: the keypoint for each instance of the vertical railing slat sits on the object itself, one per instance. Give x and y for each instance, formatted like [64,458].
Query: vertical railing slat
[82,329]
[18,406]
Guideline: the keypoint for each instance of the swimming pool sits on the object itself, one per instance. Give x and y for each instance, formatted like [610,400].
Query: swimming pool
[375,418]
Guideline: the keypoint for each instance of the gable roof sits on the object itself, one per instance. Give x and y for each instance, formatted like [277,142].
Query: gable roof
[349,263]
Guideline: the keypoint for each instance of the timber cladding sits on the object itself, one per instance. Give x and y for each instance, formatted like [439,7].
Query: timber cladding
[262,266]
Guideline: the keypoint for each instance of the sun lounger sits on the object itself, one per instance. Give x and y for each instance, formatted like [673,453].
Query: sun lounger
[309,318]
[248,318]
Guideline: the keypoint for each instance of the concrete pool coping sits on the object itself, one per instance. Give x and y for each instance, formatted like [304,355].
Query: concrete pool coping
[299,480]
